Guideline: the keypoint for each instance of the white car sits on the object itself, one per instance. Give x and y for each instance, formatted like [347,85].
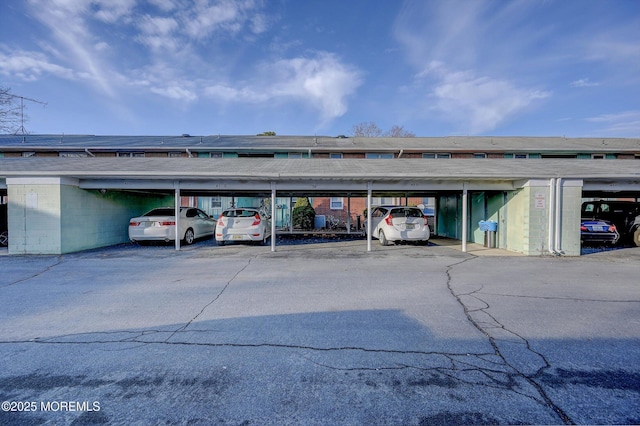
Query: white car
[160,225]
[243,224]
[398,223]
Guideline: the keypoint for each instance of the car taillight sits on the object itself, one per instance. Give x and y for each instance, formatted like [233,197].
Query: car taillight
[583,228]
[426,221]
[133,223]
[256,220]
[168,223]
[220,222]
[388,219]
[612,228]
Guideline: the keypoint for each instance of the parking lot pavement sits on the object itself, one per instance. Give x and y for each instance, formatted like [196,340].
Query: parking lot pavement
[319,334]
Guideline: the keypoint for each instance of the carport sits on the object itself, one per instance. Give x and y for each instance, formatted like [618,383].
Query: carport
[537,200]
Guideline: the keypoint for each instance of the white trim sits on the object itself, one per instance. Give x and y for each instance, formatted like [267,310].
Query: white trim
[43,181]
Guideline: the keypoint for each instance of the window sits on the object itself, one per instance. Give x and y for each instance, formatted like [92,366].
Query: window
[378,155]
[175,154]
[436,155]
[295,155]
[335,155]
[216,202]
[28,154]
[336,203]
[480,155]
[130,154]
[73,154]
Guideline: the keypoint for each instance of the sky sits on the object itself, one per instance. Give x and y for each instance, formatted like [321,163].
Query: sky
[318,67]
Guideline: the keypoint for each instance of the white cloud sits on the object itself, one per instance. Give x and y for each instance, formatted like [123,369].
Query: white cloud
[175,92]
[30,66]
[477,104]
[323,83]
[624,123]
[583,82]
[206,18]
[110,11]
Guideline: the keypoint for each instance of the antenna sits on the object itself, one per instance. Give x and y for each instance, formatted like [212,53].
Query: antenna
[22,130]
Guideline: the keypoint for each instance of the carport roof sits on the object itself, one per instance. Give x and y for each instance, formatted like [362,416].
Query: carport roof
[238,143]
[267,169]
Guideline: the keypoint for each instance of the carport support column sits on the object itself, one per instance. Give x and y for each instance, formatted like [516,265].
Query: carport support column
[369,190]
[176,185]
[273,219]
[465,206]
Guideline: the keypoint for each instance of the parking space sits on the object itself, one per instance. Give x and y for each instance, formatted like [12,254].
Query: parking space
[322,333]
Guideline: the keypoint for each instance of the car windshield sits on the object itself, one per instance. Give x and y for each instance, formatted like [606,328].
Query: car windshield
[406,212]
[239,213]
[161,212]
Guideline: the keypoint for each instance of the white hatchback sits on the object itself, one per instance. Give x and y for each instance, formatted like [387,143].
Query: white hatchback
[243,224]
[398,223]
[160,225]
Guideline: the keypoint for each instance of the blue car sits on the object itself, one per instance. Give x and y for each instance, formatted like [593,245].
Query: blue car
[598,231]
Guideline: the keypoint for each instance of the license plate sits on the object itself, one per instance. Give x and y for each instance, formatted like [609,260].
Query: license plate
[597,228]
[236,237]
[149,224]
[410,226]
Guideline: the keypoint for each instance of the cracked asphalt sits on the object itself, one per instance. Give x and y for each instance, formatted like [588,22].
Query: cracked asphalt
[319,334]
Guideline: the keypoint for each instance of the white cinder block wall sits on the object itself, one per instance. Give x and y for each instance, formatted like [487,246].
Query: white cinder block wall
[55,216]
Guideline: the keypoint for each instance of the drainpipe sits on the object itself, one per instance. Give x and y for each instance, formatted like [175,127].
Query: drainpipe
[273,216]
[465,207]
[552,212]
[189,153]
[558,220]
[369,192]
[89,152]
[177,236]
[400,153]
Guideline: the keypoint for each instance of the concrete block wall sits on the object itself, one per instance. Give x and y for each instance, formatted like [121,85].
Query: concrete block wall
[90,219]
[34,215]
[526,216]
[571,205]
[516,214]
[55,216]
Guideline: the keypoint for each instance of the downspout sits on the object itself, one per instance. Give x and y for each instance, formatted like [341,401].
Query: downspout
[400,153]
[189,153]
[369,193]
[465,207]
[558,219]
[89,152]
[552,212]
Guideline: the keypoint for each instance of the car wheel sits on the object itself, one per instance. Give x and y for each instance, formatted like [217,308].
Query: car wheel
[189,236]
[383,239]
[4,239]
[636,237]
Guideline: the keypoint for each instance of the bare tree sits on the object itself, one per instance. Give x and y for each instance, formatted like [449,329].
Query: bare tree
[9,111]
[366,130]
[399,132]
[371,130]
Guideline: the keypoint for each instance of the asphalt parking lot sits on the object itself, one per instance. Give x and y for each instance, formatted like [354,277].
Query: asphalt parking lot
[319,334]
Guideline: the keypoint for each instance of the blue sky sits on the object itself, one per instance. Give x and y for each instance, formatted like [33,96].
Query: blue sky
[456,67]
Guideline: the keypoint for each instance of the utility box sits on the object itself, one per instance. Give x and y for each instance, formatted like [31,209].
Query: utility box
[490,229]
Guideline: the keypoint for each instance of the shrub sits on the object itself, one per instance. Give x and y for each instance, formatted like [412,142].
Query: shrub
[303,214]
